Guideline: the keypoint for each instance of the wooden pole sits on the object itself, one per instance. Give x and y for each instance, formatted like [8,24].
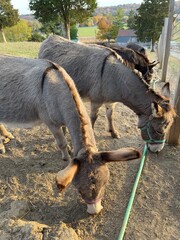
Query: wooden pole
[168,39]
[162,41]
[159,50]
[174,134]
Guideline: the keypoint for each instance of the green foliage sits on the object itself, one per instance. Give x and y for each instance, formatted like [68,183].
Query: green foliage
[108,26]
[130,21]
[110,33]
[52,27]
[118,18]
[150,19]
[37,37]
[19,32]
[69,12]
[35,25]
[8,15]
[74,32]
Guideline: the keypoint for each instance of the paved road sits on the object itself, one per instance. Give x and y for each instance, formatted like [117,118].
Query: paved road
[175,54]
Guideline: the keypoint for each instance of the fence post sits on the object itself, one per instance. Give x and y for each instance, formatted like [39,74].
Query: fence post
[167,41]
[174,133]
[160,49]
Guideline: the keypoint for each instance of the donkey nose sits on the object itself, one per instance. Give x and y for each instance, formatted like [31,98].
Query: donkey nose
[155,148]
[94,208]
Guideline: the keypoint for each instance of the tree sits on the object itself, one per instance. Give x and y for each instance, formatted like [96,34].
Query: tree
[130,21]
[52,27]
[19,32]
[118,18]
[104,26]
[74,32]
[8,16]
[110,25]
[69,12]
[150,19]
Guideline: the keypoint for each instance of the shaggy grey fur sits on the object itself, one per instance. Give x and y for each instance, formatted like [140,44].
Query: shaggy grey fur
[102,77]
[36,91]
[29,96]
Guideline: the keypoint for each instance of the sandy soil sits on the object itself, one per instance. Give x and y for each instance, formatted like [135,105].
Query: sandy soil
[31,210]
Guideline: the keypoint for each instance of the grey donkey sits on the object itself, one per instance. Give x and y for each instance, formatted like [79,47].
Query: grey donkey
[34,91]
[101,76]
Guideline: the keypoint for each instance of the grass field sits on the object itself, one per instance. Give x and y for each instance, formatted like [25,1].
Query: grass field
[87,31]
[21,49]
[30,49]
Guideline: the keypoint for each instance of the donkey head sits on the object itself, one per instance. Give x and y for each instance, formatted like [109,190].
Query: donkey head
[154,127]
[90,174]
[145,67]
[138,60]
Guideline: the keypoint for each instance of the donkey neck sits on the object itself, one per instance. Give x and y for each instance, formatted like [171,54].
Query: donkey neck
[82,136]
[127,87]
[77,120]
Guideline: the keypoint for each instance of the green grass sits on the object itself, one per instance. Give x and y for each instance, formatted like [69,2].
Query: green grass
[87,31]
[20,49]
[30,49]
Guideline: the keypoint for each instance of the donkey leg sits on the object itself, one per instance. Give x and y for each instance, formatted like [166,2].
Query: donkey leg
[94,112]
[61,141]
[2,148]
[110,116]
[8,136]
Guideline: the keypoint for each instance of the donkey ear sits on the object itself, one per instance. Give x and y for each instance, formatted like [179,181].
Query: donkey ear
[157,110]
[65,176]
[166,90]
[153,64]
[122,154]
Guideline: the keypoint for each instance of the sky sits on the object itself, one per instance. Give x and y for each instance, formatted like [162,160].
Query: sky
[22,5]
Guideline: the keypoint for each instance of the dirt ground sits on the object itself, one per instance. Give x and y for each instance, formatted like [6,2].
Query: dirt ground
[31,210]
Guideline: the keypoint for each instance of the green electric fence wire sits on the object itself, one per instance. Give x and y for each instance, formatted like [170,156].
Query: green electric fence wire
[128,210]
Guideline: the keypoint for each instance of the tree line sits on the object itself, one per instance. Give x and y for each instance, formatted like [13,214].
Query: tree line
[61,17]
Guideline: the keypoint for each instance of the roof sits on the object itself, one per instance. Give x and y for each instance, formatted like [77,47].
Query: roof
[126,33]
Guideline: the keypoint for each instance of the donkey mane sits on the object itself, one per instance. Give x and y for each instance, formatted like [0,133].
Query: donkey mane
[131,57]
[75,95]
[159,98]
[113,52]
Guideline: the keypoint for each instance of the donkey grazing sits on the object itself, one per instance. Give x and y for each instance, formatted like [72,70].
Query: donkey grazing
[134,60]
[103,77]
[33,91]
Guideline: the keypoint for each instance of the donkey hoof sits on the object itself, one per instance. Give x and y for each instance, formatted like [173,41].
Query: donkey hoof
[6,140]
[10,136]
[2,149]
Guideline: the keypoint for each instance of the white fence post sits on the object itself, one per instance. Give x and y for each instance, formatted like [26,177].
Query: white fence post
[168,40]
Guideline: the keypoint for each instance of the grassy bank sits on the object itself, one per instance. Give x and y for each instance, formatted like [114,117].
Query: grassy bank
[87,31]
[30,49]
[21,49]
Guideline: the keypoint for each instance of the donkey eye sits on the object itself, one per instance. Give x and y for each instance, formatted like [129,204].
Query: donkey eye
[159,132]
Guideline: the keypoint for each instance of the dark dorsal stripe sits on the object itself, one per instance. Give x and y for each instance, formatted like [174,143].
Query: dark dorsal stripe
[72,88]
[111,53]
[53,66]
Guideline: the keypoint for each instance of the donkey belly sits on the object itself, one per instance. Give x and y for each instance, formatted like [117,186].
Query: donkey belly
[18,114]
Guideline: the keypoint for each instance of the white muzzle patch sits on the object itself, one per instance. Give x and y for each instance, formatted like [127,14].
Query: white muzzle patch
[94,208]
[156,147]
